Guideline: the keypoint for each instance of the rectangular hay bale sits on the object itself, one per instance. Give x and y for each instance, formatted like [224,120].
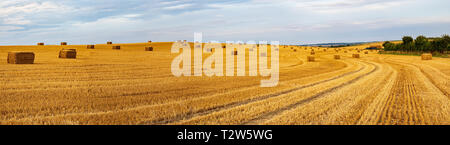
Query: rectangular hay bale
[68,53]
[149,48]
[427,56]
[90,46]
[20,57]
[116,47]
[337,57]
[63,43]
[40,43]
[355,55]
[310,58]
[109,42]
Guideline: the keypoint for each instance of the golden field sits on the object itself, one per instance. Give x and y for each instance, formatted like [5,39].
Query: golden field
[133,86]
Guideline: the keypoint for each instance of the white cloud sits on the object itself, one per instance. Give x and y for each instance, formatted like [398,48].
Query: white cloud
[20,20]
[9,28]
[337,6]
[175,7]
[23,12]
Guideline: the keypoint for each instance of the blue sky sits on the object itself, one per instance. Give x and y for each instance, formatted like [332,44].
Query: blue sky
[287,21]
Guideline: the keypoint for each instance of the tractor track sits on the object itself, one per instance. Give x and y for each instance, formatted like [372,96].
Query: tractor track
[235,104]
[270,115]
[403,106]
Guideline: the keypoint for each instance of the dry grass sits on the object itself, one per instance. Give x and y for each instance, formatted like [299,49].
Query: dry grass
[105,86]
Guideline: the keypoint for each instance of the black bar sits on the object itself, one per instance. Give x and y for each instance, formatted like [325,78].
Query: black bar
[169,134]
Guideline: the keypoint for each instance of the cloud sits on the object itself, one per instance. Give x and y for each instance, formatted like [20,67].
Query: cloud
[181,6]
[337,6]
[9,28]
[87,21]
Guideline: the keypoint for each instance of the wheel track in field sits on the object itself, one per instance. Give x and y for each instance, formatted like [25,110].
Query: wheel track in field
[403,105]
[235,104]
[269,115]
[180,116]
[430,78]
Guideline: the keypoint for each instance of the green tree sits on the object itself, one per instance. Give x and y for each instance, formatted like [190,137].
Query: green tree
[389,46]
[407,39]
[447,40]
[385,43]
[420,43]
[442,45]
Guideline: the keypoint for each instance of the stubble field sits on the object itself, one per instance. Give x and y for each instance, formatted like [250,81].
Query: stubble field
[133,86]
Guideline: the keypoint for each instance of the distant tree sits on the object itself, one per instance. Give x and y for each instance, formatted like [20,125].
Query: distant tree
[398,47]
[388,46]
[439,45]
[446,38]
[442,45]
[428,47]
[407,39]
[385,43]
[420,43]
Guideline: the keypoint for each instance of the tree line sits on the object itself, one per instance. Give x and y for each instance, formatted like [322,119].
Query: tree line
[420,44]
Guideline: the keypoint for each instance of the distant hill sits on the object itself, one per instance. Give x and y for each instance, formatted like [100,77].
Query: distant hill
[341,44]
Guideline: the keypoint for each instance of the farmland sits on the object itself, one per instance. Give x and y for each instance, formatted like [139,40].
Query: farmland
[133,86]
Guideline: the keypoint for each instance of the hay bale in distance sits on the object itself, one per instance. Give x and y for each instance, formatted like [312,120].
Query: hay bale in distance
[427,56]
[109,42]
[355,55]
[235,52]
[150,41]
[116,47]
[337,57]
[149,48]
[90,46]
[16,57]
[366,52]
[312,53]
[310,58]
[63,43]
[40,43]
[68,53]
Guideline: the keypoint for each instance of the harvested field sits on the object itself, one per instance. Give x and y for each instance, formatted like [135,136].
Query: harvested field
[106,86]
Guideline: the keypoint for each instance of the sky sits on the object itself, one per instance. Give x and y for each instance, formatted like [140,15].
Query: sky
[24,22]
